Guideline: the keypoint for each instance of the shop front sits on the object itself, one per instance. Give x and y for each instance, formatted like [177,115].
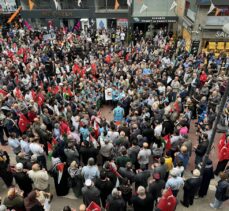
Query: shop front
[188,39]
[215,41]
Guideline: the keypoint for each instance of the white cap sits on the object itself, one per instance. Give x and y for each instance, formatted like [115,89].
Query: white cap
[19,166]
[88,182]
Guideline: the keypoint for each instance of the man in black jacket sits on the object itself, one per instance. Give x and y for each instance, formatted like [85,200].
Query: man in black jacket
[191,187]
[105,186]
[22,179]
[201,149]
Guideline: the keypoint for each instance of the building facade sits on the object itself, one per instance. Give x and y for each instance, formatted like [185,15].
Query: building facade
[203,30]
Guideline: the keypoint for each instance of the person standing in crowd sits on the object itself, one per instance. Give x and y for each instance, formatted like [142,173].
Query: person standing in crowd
[191,187]
[143,156]
[118,113]
[142,201]
[221,193]
[115,201]
[39,177]
[175,182]
[22,179]
[90,171]
[105,187]
[90,193]
[201,149]
[207,176]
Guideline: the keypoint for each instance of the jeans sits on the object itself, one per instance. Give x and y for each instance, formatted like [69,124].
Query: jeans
[217,203]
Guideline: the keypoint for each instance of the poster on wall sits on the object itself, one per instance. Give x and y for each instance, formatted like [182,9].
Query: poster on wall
[123,22]
[101,23]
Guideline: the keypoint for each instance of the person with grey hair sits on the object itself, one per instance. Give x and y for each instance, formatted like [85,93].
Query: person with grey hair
[115,201]
[90,171]
[143,200]
[22,179]
[175,182]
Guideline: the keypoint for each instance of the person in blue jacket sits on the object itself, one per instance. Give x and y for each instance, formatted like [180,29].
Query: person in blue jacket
[118,113]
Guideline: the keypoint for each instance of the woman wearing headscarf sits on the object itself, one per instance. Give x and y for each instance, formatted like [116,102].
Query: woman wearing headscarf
[60,176]
[75,180]
[31,202]
[206,178]
[5,172]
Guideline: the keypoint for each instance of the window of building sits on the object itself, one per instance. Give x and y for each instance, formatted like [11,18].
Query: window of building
[109,5]
[50,4]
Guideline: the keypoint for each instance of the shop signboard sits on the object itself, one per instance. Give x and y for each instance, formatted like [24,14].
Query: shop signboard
[221,34]
[156,19]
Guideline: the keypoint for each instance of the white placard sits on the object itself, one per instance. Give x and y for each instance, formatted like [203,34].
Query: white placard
[108,94]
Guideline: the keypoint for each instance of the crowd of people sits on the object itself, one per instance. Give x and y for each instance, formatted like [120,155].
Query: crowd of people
[52,95]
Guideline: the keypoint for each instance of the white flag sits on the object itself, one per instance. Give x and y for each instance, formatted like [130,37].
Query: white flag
[143,8]
[212,7]
[129,2]
[57,4]
[174,4]
[79,3]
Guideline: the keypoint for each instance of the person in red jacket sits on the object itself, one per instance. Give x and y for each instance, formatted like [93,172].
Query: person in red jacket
[223,154]
[167,202]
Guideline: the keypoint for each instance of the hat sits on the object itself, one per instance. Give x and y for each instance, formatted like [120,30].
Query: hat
[156,176]
[208,162]
[3,207]
[88,182]
[196,173]
[173,173]
[19,166]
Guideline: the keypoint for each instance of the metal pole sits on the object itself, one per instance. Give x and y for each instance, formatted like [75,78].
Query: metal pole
[211,141]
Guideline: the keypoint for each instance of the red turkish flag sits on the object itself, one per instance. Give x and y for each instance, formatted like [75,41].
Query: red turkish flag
[76,69]
[34,95]
[54,141]
[23,123]
[108,59]
[64,128]
[18,94]
[40,99]
[3,92]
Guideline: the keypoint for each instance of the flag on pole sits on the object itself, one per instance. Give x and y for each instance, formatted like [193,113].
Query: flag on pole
[174,4]
[116,5]
[31,4]
[217,12]
[14,15]
[129,2]
[79,3]
[57,4]
[212,7]
[143,8]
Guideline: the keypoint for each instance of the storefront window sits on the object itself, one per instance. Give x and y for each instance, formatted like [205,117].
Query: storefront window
[109,5]
[49,4]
